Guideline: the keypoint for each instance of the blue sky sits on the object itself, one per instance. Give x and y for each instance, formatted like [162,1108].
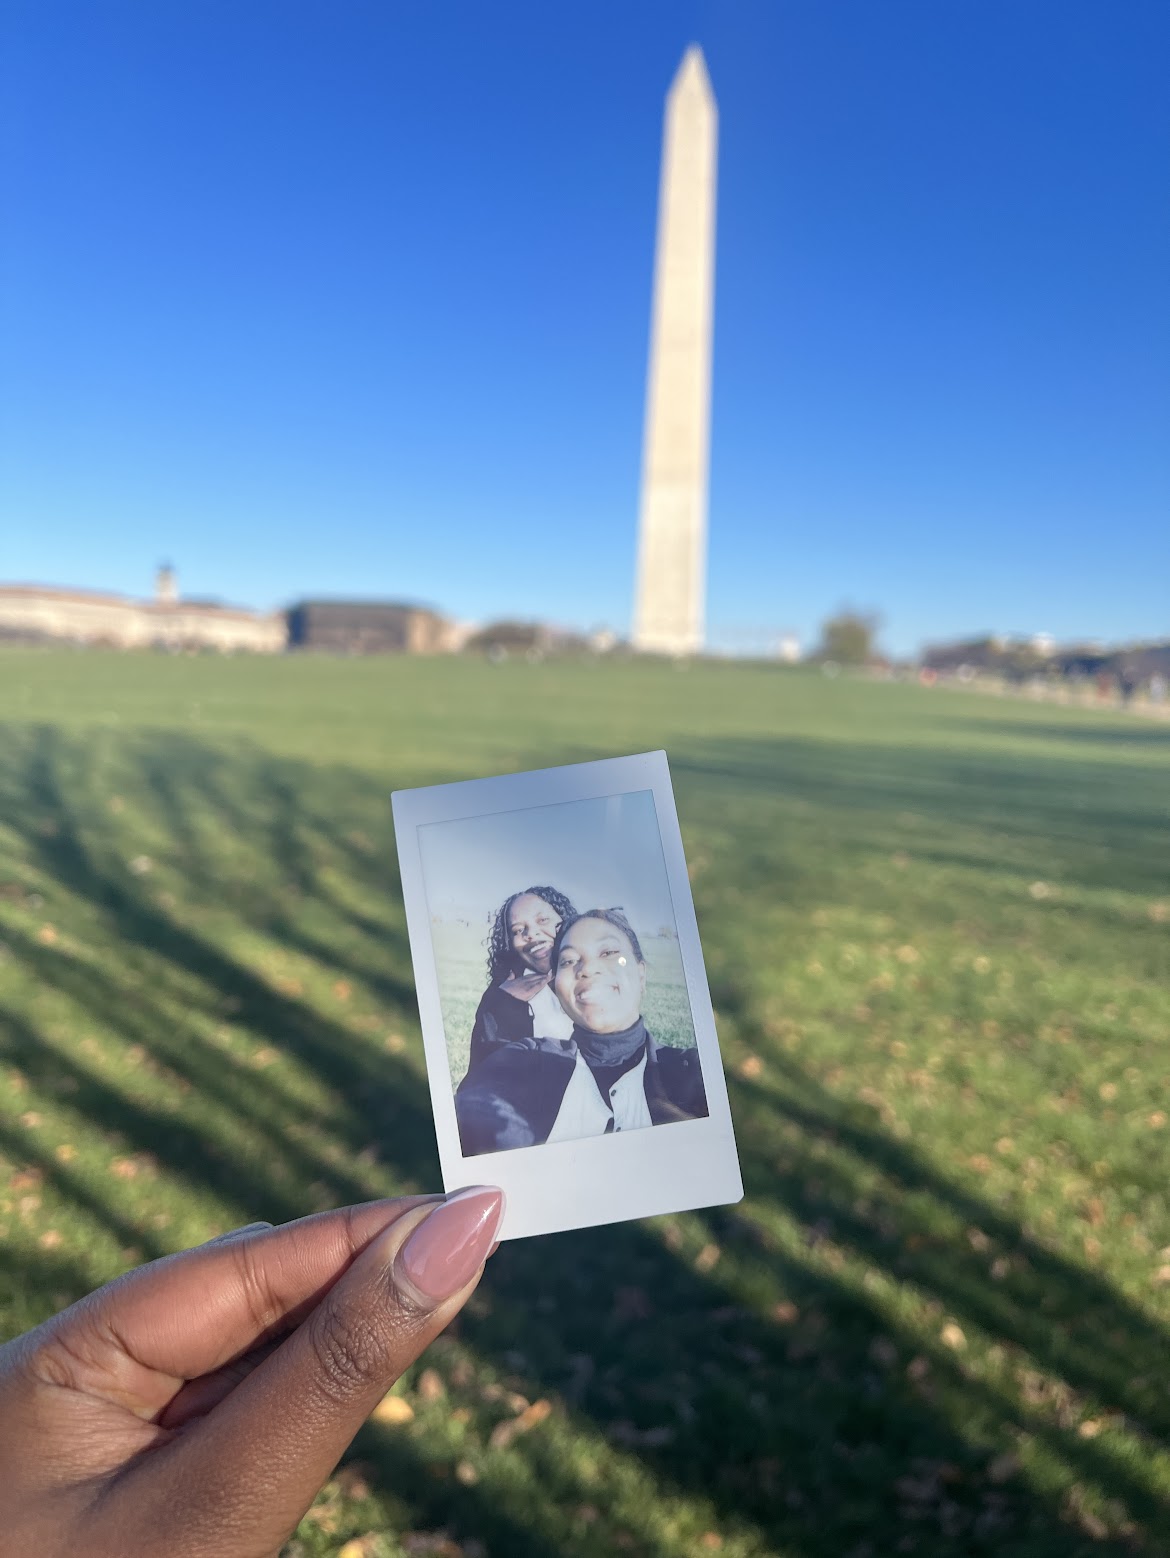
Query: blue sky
[353,298]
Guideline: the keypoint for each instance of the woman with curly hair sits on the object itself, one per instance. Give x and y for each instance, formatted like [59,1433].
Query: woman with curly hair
[518,1003]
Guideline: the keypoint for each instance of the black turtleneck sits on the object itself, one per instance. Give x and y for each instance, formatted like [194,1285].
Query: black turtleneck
[610,1055]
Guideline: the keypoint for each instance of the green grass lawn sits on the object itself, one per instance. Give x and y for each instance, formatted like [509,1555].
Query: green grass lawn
[936,927]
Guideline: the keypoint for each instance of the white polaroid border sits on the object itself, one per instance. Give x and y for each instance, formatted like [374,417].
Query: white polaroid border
[576,1184]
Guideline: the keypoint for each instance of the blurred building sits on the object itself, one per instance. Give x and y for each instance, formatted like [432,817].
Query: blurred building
[358,627]
[32,613]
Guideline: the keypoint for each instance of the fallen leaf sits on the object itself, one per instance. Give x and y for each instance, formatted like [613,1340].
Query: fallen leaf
[392,1410]
[353,1480]
[952,1336]
[430,1385]
[503,1433]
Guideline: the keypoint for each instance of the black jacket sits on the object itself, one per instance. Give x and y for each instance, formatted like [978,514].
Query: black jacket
[511,1096]
[499,1019]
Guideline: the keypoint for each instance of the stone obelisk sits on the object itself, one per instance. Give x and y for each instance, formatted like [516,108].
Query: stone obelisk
[672,530]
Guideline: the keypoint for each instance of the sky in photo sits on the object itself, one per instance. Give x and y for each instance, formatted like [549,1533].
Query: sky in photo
[601,854]
[354,300]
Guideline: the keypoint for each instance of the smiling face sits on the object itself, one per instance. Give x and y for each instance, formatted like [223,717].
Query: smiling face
[532,925]
[598,978]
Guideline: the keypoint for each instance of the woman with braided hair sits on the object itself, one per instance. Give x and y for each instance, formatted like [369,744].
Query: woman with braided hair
[518,1003]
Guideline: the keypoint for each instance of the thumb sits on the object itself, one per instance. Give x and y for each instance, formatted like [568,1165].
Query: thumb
[245,1474]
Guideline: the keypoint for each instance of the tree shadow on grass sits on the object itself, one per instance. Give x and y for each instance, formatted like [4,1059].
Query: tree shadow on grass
[831,1429]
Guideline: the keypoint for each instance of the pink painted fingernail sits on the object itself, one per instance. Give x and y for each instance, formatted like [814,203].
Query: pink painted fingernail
[447,1248]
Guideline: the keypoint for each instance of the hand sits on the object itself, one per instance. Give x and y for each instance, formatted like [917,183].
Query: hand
[195,1406]
[524,986]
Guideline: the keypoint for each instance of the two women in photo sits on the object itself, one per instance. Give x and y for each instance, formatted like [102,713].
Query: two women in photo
[560,1049]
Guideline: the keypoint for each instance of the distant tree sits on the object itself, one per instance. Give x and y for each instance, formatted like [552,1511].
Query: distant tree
[849,638]
[508,637]
[534,640]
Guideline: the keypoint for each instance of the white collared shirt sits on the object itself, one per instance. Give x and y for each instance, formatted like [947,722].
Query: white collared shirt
[584,1112]
[549,1018]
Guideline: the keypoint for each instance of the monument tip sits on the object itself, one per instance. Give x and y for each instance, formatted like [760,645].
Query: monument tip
[692,73]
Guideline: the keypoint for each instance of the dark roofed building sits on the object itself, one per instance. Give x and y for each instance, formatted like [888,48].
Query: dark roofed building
[358,627]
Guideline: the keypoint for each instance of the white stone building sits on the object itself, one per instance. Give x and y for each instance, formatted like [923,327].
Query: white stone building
[40,614]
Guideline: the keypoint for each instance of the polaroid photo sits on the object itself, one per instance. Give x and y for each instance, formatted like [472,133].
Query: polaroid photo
[567,1023]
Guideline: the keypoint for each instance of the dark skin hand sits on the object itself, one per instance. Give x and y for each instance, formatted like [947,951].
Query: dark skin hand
[194,1407]
[522,987]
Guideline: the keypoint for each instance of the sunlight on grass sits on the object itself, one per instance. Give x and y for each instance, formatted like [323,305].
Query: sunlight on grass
[936,928]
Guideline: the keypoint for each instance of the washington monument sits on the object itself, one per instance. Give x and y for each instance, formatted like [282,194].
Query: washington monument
[672,531]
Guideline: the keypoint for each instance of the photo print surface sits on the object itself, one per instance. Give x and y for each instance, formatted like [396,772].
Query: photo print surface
[566,1018]
[564,1000]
